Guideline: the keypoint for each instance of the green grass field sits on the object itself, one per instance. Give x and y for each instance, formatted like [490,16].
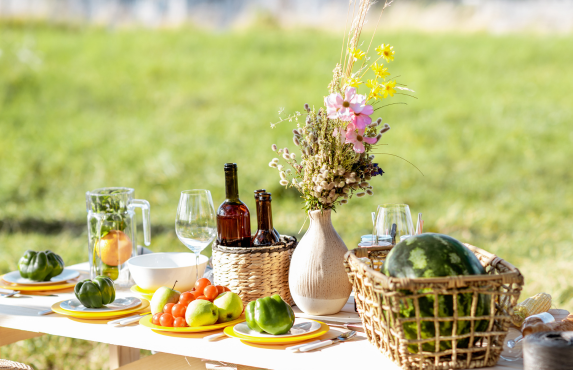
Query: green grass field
[162,111]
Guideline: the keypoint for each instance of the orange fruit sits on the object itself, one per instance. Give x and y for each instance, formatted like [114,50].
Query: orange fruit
[115,248]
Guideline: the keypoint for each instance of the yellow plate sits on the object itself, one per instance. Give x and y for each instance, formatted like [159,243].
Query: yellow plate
[40,288]
[98,315]
[142,293]
[146,321]
[281,340]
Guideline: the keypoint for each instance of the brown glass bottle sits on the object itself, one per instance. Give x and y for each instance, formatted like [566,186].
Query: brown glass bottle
[233,217]
[257,193]
[265,235]
[257,202]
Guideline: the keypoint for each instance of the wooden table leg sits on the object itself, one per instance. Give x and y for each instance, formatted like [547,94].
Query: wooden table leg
[8,336]
[175,362]
[120,356]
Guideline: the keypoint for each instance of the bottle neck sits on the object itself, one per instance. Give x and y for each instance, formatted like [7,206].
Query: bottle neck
[265,219]
[257,201]
[231,184]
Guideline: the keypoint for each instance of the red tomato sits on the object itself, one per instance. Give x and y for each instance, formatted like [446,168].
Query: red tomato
[201,284]
[203,297]
[220,289]
[186,298]
[167,308]
[178,310]
[155,318]
[166,319]
[227,289]
[211,292]
[179,322]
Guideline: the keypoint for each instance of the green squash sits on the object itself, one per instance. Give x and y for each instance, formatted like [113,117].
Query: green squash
[436,255]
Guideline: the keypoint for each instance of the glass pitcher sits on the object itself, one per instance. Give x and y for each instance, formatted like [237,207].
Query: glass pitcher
[112,231]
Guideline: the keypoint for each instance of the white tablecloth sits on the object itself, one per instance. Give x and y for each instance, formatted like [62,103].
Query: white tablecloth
[21,313]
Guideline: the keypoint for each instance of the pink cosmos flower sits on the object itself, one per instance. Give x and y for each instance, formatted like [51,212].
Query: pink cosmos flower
[343,108]
[356,137]
[362,112]
[333,104]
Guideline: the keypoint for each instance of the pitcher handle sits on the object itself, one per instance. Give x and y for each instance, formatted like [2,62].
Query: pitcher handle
[144,205]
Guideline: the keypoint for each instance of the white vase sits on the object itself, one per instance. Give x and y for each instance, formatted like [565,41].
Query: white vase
[318,281]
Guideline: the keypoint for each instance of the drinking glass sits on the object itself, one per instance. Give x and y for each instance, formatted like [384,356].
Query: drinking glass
[390,214]
[195,223]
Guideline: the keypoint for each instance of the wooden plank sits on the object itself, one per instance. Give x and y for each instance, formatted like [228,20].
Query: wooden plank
[120,356]
[9,336]
[175,362]
[216,365]
[165,361]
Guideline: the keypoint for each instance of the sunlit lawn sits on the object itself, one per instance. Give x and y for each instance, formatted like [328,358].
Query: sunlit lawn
[162,111]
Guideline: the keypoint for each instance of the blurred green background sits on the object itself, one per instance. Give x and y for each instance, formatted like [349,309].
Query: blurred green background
[162,110]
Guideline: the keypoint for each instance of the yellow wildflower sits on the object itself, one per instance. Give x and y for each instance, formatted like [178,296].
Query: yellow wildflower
[385,50]
[372,95]
[388,89]
[380,71]
[357,53]
[354,82]
[374,87]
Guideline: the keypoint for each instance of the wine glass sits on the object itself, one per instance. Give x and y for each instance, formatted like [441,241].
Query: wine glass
[195,223]
[389,215]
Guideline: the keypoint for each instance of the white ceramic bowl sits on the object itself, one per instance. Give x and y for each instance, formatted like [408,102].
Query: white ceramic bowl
[152,271]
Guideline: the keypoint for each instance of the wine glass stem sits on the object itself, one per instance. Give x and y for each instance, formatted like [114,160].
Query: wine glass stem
[196,266]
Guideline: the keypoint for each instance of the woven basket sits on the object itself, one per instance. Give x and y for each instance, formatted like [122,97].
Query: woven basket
[254,273]
[379,299]
[11,365]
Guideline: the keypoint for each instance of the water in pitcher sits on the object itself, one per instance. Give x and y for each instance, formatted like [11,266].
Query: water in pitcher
[112,231]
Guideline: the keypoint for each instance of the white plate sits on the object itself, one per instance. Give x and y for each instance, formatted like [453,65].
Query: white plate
[300,327]
[119,304]
[15,278]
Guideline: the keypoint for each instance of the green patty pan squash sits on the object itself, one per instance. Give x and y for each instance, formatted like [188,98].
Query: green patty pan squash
[40,266]
[270,314]
[95,293]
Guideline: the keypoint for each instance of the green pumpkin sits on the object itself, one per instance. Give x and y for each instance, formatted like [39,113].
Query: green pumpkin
[40,266]
[95,293]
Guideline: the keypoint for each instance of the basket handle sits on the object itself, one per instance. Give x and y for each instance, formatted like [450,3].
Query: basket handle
[360,252]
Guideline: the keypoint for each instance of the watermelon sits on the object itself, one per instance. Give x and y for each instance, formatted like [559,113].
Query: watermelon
[434,255]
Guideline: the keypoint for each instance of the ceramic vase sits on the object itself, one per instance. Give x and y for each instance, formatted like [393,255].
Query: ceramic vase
[318,281]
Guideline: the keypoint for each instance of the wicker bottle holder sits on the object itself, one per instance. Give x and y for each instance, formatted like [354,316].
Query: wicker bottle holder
[379,299]
[255,272]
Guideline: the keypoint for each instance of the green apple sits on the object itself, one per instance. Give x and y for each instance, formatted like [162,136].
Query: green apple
[230,306]
[161,297]
[201,312]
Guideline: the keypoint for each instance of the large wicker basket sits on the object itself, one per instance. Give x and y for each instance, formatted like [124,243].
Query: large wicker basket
[255,272]
[379,300]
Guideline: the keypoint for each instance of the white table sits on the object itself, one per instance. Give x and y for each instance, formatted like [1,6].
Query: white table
[21,314]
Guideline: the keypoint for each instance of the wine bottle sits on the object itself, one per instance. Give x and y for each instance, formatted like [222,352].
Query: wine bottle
[233,217]
[257,202]
[257,193]
[265,235]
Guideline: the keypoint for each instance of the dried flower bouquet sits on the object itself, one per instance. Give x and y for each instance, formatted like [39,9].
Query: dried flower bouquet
[336,140]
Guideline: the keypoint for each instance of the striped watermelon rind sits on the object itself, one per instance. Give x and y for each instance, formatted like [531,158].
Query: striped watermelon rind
[437,255]
[431,255]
